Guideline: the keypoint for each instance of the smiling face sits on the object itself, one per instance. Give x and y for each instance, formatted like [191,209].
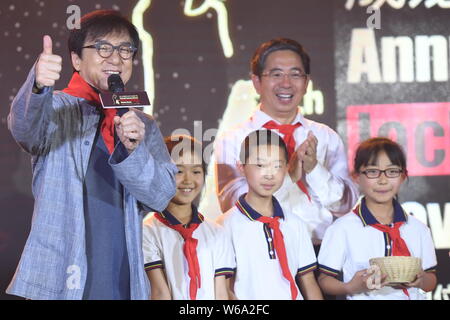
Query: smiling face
[189,179]
[381,190]
[95,70]
[281,97]
[264,170]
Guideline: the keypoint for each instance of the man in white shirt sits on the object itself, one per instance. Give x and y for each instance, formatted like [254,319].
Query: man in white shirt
[318,186]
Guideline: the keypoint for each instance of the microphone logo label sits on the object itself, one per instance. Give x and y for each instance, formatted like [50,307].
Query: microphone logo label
[124,100]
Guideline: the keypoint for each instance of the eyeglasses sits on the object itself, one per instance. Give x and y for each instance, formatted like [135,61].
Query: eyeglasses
[278,76]
[376,173]
[106,49]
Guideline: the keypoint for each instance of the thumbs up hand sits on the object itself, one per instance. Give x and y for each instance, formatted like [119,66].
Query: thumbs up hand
[49,65]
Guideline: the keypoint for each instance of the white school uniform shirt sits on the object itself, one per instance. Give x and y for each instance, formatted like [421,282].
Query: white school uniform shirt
[258,274]
[350,242]
[163,248]
[329,185]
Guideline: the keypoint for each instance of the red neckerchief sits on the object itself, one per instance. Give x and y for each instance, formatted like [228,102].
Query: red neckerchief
[190,252]
[399,247]
[278,242]
[288,137]
[280,249]
[78,87]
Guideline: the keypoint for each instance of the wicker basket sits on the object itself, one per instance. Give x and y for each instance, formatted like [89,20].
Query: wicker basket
[399,269]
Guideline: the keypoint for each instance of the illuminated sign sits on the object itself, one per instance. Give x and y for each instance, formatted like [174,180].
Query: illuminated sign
[147,50]
[423,129]
[425,50]
[398,4]
[222,21]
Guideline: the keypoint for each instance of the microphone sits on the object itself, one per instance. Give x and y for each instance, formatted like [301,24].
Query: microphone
[120,99]
[115,85]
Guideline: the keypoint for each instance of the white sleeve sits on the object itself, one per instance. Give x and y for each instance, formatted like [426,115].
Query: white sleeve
[307,258]
[330,181]
[152,253]
[332,251]
[224,260]
[428,254]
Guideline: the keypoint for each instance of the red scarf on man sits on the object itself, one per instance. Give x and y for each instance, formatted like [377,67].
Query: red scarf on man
[190,252]
[78,87]
[288,137]
[399,247]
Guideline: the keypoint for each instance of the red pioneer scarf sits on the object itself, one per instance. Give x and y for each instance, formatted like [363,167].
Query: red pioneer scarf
[190,253]
[280,249]
[399,247]
[78,87]
[288,137]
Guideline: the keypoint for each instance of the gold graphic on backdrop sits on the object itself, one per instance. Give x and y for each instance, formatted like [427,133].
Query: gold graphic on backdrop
[147,39]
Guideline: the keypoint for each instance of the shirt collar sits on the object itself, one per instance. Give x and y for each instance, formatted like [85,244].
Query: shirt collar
[196,217]
[260,118]
[367,217]
[252,214]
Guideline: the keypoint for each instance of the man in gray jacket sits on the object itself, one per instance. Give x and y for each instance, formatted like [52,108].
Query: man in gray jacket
[94,172]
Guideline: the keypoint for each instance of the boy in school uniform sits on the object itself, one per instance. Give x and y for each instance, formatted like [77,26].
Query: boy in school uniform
[272,247]
[185,254]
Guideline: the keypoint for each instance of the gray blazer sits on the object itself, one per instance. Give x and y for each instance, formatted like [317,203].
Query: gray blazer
[58,131]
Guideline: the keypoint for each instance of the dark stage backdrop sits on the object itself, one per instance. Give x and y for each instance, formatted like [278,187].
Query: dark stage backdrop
[374,72]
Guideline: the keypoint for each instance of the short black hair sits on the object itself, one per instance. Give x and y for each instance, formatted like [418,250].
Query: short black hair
[98,24]
[368,151]
[258,61]
[260,138]
[177,144]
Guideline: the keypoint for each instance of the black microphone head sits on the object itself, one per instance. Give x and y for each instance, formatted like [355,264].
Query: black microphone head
[115,83]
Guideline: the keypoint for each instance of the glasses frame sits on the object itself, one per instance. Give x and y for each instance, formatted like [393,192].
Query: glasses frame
[384,172]
[271,74]
[97,45]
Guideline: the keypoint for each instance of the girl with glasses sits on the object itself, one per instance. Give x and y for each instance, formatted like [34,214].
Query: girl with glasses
[377,227]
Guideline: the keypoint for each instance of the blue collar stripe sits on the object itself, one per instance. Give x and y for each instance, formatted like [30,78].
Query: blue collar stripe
[399,214]
[252,214]
[196,217]
[361,215]
[241,208]
[367,217]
